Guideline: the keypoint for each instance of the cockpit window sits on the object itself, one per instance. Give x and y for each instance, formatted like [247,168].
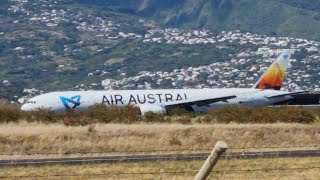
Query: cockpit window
[31,102]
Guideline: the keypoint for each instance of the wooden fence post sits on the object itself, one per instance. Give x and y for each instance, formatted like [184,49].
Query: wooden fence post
[212,160]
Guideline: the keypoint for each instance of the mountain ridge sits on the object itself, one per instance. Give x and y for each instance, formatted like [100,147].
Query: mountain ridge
[297,18]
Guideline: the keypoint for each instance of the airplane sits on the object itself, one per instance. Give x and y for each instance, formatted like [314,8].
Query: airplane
[265,92]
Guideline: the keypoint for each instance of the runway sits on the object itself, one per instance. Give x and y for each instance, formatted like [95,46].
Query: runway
[149,158]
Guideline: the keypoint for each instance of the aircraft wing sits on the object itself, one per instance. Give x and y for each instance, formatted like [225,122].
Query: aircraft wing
[285,94]
[203,102]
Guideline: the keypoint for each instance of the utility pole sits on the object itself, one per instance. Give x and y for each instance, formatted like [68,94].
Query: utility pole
[212,160]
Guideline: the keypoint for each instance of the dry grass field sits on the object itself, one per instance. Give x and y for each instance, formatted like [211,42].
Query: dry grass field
[36,140]
[32,140]
[288,168]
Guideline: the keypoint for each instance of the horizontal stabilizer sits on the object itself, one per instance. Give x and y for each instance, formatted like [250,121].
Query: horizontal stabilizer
[286,94]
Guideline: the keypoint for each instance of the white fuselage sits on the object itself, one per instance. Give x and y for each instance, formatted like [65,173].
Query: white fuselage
[59,101]
[162,100]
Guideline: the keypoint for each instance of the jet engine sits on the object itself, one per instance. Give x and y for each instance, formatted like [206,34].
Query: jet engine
[152,108]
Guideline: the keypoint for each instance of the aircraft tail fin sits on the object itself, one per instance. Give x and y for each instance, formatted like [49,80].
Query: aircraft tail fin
[273,78]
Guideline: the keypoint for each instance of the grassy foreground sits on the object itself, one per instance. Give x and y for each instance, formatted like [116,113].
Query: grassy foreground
[289,168]
[37,140]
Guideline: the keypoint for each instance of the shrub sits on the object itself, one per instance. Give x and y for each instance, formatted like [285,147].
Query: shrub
[101,113]
[177,111]
[241,114]
[185,119]
[154,117]
[76,118]
[9,112]
[9,115]
[297,115]
[107,114]
[227,115]
[128,114]
[262,115]
[42,115]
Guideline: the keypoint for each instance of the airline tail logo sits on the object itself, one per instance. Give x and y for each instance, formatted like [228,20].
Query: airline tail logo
[71,103]
[274,77]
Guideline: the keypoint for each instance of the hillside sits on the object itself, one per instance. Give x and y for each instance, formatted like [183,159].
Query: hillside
[133,44]
[294,18]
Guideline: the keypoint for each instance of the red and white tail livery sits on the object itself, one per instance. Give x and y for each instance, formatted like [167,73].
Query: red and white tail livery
[273,78]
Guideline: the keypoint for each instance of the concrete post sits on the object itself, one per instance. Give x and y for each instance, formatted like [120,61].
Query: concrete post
[212,160]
